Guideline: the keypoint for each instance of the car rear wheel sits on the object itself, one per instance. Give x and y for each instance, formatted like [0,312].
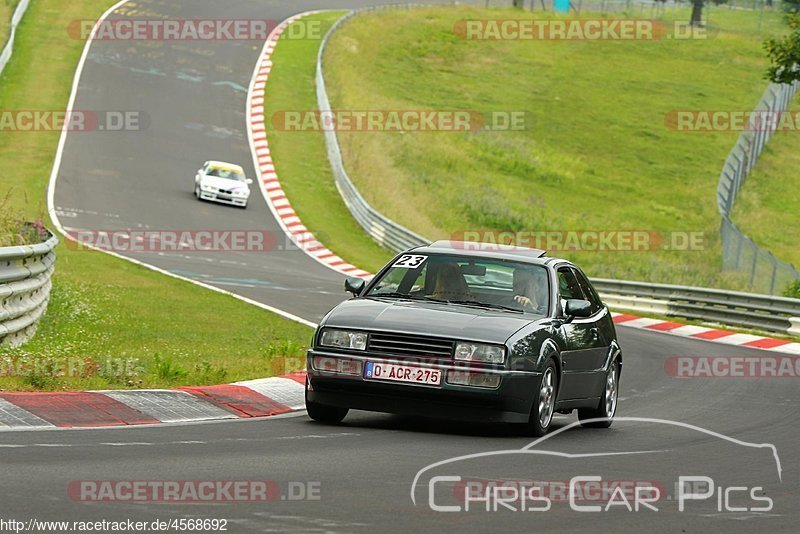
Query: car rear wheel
[544,402]
[603,415]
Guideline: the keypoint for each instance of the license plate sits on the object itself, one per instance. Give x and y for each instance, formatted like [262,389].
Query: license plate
[224,197]
[402,373]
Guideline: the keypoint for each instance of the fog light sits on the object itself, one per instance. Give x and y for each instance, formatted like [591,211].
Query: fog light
[478,380]
[337,365]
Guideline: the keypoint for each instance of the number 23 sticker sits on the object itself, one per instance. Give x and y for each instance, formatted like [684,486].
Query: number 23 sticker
[410,261]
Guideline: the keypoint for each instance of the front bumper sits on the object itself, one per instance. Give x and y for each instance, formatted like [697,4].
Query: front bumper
[510,402]
[223,199]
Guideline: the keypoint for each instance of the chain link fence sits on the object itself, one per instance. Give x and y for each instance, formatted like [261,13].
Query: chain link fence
[634,8]
[766,273]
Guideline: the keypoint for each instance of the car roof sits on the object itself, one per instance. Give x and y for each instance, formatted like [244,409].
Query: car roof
[487,250]
[224,165]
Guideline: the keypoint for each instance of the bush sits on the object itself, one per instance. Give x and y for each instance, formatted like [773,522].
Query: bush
[792,290]
[15,230]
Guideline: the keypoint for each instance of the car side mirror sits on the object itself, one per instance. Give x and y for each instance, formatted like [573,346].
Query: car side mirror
[578,308]
[354,285]
[248,181]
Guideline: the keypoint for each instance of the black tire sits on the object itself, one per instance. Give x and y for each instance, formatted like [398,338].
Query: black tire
[197,192]
[544,399]
[323,413]
[607,407]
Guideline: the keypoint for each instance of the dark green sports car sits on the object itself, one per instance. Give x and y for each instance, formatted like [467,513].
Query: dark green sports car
[468,331]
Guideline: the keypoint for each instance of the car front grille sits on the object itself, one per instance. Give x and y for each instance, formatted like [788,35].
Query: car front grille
[409,345]
[225,191]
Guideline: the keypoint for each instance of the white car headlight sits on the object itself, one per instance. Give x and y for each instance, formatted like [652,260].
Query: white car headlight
[206,187]
[241,192]
[343,339]
[479,352]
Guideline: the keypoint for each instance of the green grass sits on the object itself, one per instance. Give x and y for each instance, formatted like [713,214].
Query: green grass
[6,10]
[599,156]
[300,157]
[768,206]
[110,323]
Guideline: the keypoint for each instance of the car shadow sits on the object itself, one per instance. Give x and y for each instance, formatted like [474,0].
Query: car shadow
[425,425]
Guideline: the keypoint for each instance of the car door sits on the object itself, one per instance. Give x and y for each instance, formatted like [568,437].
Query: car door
[603,334]
[585,344]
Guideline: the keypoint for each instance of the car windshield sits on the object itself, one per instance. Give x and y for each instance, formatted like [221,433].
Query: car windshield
[465,280]
[230,174]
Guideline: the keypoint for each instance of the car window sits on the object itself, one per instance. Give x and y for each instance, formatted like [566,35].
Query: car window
[230,174]
[568,285]
[589,292]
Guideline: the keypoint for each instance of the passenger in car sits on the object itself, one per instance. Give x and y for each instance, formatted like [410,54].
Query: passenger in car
[450,283]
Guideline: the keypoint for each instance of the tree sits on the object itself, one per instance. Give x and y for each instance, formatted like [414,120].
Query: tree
[784,53]
[697,10]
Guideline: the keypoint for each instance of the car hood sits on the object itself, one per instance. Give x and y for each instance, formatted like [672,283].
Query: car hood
[223,183]
[428,318]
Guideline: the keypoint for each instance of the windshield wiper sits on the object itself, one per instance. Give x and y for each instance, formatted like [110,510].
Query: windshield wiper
[397,295]
[484,305]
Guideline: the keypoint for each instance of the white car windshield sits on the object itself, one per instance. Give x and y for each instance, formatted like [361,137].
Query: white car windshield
[229,174]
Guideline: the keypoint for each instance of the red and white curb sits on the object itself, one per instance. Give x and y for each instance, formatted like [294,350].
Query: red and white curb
[709,334]
[252,398]
[265,168]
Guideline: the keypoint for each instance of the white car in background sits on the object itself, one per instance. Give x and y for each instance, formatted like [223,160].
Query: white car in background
[222,182]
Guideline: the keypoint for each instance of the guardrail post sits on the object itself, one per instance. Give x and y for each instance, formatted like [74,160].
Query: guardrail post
[795,328]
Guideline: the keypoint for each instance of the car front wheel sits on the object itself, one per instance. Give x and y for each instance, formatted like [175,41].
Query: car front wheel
[544,402]
[603,415]
[322,413]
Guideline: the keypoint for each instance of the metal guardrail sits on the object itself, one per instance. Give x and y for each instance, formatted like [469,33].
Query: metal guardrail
[746,310]
[5,55]
[386,232]
[25,282]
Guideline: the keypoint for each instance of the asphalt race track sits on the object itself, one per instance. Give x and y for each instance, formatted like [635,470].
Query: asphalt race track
[357,477]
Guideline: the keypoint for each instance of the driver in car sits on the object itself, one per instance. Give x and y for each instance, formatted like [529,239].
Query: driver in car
[529,291]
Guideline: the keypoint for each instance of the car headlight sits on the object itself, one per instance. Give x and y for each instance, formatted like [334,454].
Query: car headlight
[344,339]
[479,352]
[241,192]
[205,187]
